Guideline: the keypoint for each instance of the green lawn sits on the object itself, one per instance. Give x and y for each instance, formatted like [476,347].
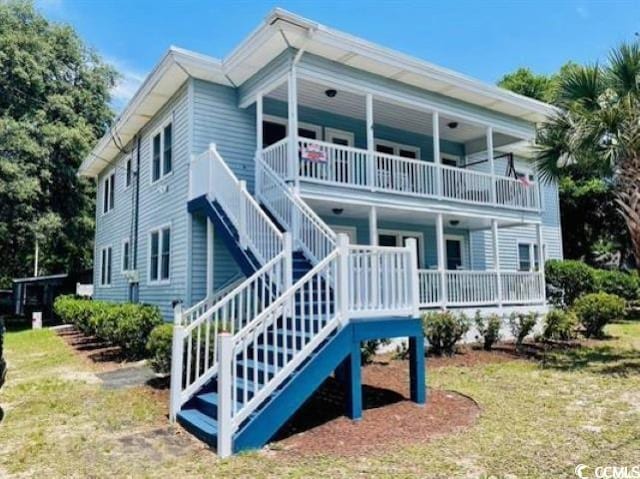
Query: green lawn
[583,406]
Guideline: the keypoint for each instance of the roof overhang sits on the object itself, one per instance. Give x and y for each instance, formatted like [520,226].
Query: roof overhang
[282,30]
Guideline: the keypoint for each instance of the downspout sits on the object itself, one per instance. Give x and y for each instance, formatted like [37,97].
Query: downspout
[136,206]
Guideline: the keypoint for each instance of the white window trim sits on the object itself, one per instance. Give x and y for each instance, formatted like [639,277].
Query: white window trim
[449,156]
[128,159]
[532,255]
[111,179]
[460,238]
[158,229]
[348,230]
[102,249]
[160,131]
[330,133]
[397,146]
[400,233]
[122,268]
[301,124]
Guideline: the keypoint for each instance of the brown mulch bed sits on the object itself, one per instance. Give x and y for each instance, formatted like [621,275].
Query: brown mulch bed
[100,355]
[389,417]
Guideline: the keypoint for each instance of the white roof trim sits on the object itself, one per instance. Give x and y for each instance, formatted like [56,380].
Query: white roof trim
[280,30]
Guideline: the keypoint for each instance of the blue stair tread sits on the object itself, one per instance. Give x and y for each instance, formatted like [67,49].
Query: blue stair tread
[199,424]
[262,366]
[211,399]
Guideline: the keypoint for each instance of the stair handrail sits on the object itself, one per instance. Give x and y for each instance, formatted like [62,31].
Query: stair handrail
[198,309]
[255,229]
[309,231]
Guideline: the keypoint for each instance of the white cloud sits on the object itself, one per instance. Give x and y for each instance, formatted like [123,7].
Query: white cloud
[127,85]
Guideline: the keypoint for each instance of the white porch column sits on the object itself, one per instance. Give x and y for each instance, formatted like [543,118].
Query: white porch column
[210,252]
[371,169]
[292,110]
[541,260]
[441,259]
[435,120]
[496,260]
[491,162]
[259,142]
[373,226]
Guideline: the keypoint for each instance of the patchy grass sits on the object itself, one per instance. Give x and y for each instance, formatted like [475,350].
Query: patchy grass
[581,406]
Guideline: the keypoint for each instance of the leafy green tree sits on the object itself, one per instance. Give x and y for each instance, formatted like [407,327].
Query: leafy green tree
[54,104]
[592,228]
[598,129]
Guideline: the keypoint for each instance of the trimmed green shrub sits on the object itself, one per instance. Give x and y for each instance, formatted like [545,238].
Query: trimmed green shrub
[159,348]
[488,329]
[619,283]
[443,330]
[596,310]
[575,278]
[560,325]
[125,325]
[522,325]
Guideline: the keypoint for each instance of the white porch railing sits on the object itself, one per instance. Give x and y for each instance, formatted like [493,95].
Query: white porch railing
[340,165]
[480,288]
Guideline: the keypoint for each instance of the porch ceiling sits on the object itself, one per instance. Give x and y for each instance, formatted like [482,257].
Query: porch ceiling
[325,208]
[349,104]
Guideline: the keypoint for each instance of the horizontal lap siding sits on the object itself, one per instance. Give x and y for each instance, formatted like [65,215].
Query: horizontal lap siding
[198,258]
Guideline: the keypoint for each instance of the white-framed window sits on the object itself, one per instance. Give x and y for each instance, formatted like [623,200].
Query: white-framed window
[160,254]
[399,238]
[106,255]
[162,152]
[128,172]
[339,137]
[397,149]
[528,258]
[449,160]
[275,128]
[127,263]
[108,192]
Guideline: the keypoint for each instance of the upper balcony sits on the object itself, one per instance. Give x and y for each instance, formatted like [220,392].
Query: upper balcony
[358,146]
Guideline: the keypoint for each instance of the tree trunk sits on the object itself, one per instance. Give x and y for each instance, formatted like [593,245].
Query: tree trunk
[628,200]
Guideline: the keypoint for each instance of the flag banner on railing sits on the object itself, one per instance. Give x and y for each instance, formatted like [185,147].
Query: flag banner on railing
[314,153]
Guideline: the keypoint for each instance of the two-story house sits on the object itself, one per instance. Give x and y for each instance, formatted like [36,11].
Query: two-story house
[308,188]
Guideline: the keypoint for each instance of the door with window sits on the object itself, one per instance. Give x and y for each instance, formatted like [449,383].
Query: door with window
[340,168]
[453,248]
[398,178]
[400,239]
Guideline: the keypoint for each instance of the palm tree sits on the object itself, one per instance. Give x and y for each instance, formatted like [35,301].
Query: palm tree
[598,127]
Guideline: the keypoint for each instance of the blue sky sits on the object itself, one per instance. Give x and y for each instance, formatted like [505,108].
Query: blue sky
[483,39]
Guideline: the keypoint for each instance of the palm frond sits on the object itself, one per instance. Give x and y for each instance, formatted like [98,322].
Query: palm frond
[624,69]
[581,87]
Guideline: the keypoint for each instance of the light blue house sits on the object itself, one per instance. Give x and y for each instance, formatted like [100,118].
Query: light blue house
[310,191]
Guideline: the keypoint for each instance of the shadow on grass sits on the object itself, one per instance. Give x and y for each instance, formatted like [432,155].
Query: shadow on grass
[597,359]
[329,403]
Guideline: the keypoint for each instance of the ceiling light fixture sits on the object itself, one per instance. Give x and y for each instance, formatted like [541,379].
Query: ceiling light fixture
[330,92]
[453,125]
[337,211]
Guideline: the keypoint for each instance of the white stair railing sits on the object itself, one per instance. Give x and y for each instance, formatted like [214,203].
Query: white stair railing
[194,312]
[255,229]
[308,230]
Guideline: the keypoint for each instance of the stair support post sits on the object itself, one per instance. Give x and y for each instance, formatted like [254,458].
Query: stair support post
[343,277]
[225,396]
[242,221]
[177,355]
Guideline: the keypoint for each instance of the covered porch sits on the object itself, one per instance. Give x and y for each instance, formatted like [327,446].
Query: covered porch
[461,262]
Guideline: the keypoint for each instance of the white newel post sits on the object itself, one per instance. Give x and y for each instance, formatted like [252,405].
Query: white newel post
[541,276]
[343,276]
[414,284]
[225,396]
[288,269]
[496,260]
[371,167]
[295,220]
[292,110]
[435,120]
[441,260]
[210,190]
[177,355]
[210,240]
[491,163]
[242,221]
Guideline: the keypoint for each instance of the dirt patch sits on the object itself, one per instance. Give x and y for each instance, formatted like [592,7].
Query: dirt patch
[100,355]
[389,418]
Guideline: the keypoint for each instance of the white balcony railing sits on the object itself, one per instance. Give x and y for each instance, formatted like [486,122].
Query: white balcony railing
[339,165]
[479,288]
